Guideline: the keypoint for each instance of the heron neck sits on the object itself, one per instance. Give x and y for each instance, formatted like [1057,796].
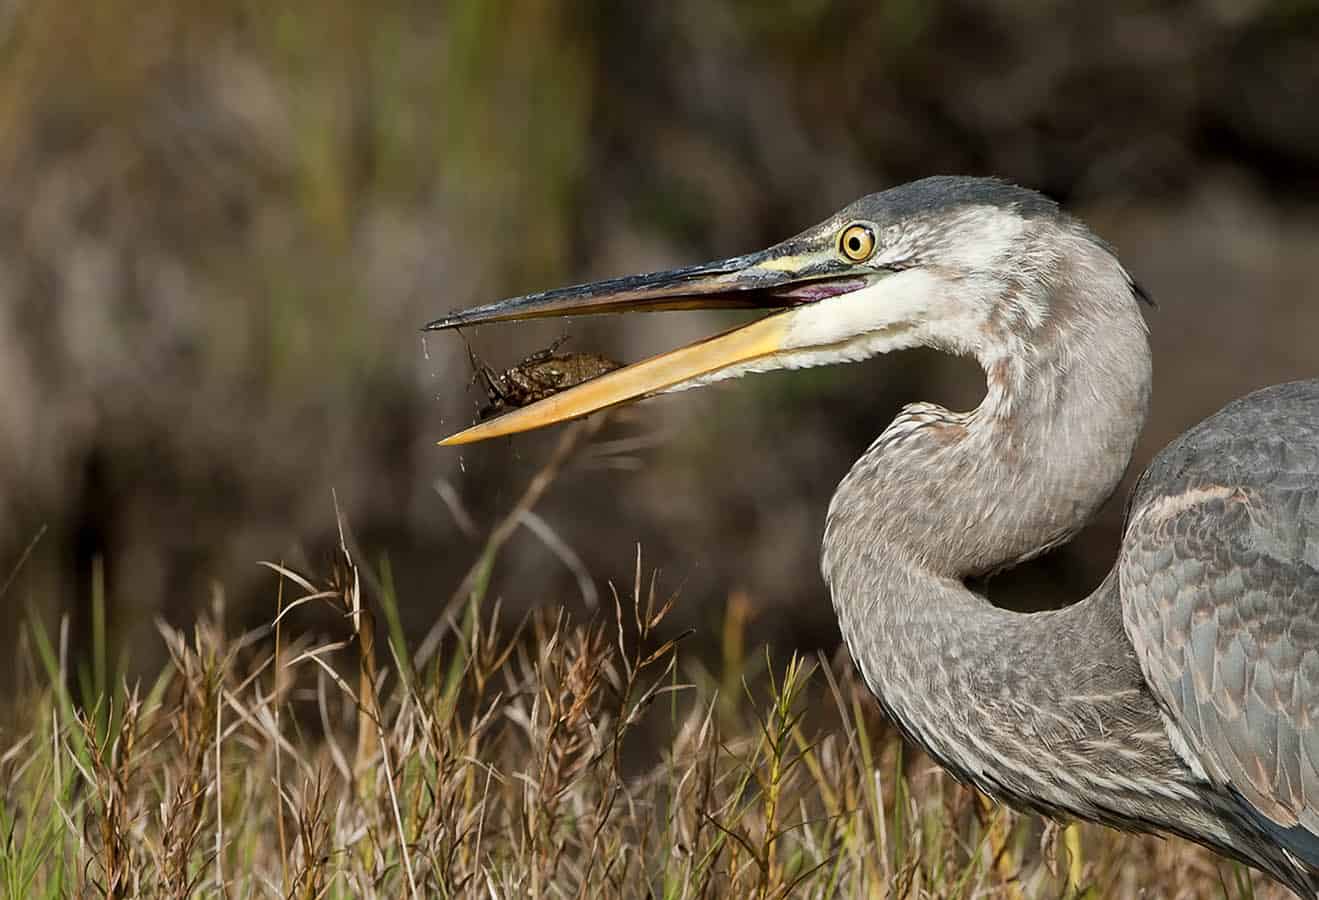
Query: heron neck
[943,496]
[958,495]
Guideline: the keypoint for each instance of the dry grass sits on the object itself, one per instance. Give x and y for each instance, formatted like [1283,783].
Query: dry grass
[550,757]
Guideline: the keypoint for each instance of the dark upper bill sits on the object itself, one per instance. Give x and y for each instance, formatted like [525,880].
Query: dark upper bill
[755,281]
[788,275]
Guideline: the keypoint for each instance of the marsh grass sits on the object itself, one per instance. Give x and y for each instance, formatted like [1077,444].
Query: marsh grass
[556,756]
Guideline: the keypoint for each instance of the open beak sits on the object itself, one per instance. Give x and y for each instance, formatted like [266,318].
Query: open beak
[782,278]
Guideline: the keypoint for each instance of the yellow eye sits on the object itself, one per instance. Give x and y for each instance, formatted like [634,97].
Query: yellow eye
[857,242]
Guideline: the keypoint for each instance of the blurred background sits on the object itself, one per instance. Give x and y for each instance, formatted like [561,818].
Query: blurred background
[222,224]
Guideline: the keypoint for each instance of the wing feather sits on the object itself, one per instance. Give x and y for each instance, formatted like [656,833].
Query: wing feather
[1219,576]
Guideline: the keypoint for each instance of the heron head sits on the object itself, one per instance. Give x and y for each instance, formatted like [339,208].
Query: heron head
[950,262]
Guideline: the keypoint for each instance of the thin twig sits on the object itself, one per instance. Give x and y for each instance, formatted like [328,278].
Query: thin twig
[559,547]
[572,437]
[461,517]
[22,558]
[219,792]
[279,769]
[398,818]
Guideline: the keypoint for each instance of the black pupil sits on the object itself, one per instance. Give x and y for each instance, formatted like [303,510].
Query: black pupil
[854,244]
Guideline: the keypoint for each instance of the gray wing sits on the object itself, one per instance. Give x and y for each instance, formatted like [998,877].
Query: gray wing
[1219,577]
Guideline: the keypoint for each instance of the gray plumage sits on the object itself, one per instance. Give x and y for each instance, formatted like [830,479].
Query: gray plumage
[1183,694]
[1220,586]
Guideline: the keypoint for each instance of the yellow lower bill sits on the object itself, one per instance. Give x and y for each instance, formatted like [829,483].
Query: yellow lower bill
[761,338]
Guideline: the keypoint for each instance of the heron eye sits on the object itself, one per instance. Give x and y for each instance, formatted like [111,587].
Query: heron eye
[857,242]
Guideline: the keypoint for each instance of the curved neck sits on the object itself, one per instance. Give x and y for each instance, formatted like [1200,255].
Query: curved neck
[958,495]
[941,496]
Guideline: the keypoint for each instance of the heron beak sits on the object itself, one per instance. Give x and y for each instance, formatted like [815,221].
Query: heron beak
[780,279]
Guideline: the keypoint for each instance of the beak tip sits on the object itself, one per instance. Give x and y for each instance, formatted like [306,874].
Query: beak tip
[481,431]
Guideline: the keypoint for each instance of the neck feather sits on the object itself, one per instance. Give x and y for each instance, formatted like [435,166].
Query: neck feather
[942,496]
[1067,366]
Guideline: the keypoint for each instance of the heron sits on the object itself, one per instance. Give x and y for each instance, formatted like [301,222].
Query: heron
[1182,695]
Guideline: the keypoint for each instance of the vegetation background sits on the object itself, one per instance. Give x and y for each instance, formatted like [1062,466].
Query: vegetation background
[221,224]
